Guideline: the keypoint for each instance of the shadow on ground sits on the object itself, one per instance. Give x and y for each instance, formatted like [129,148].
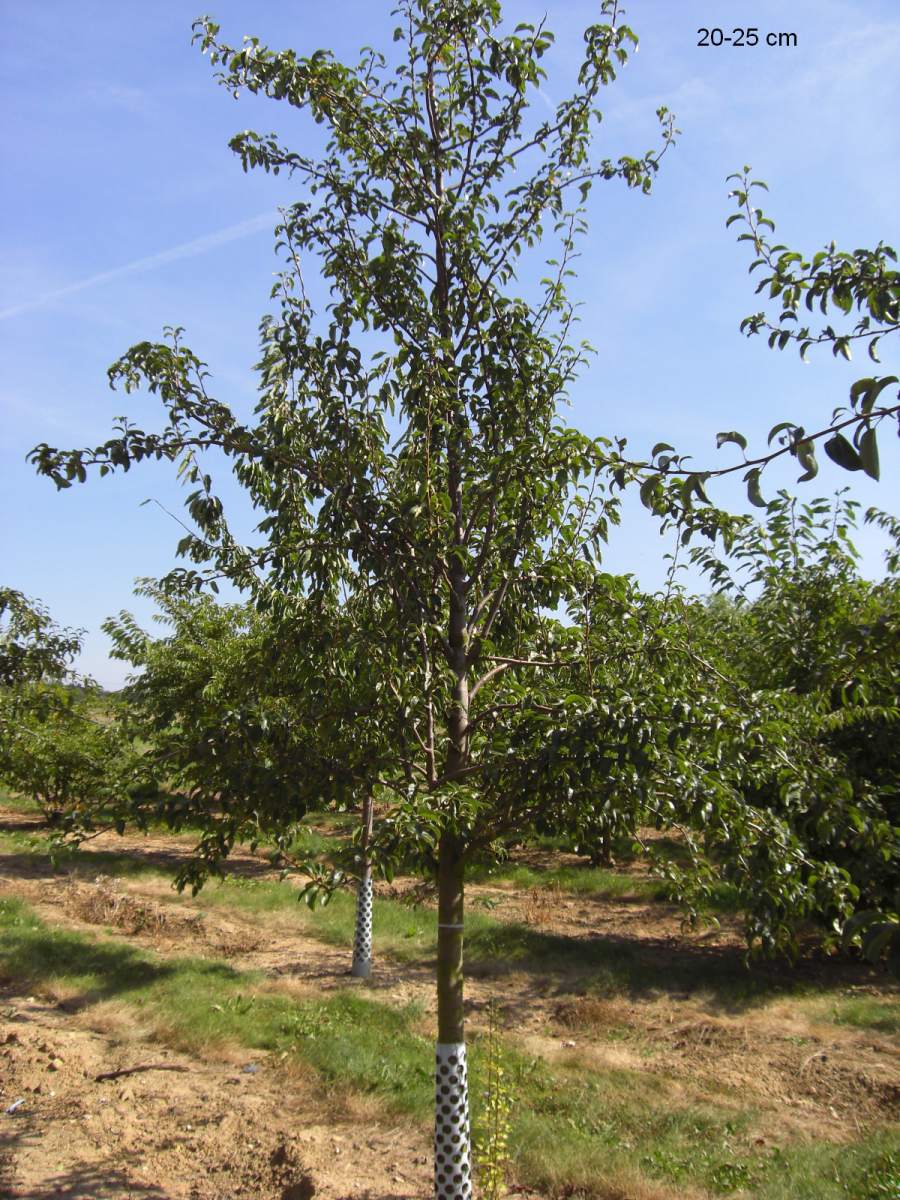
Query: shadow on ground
[600,964]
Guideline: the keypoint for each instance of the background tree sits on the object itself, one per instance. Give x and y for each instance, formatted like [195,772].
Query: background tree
[32,646]
[62,748]
[808,628]
[251,724]
[59,742]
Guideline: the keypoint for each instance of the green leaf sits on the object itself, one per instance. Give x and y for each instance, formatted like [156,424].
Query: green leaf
[839,450]
[861,387]
[697,487]
[874,390]
[868,453]
[731,436]
[779,428]
[648,491]
[754,495]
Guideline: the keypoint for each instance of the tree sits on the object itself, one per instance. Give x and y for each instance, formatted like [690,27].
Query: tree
[57,744]
[806,627]
[408,449]
[251,723]
[32,646]
[59,748]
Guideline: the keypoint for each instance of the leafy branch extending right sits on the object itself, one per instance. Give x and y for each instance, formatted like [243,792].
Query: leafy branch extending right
[862,285]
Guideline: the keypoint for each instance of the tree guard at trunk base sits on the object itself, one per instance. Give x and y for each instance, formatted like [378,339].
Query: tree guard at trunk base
[362,945]
[452,1154]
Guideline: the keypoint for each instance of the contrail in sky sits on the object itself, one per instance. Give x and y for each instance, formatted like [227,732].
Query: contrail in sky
[186,250]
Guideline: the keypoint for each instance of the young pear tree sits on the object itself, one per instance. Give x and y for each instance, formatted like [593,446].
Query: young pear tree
[407,449]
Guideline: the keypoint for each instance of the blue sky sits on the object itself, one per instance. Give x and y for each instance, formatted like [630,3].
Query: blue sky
[123,211]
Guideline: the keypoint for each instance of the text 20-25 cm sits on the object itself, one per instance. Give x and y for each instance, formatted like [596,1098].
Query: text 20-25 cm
[744,37]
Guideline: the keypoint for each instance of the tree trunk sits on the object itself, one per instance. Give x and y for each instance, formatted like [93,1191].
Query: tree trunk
[452,1154]
[602,854]
[362,944]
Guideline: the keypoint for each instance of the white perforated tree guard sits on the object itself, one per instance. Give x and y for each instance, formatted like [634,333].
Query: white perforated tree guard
[362,943]
[452,1153]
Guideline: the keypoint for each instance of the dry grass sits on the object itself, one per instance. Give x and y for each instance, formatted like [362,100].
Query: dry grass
[540,905]
[592,1013]
[577,1179]
[115,1019]
[105,902]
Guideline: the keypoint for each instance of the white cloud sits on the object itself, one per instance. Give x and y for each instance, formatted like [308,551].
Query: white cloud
[201,245]
[851,58]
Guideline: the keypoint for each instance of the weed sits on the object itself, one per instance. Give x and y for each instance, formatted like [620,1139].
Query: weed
[492,1144]
[310,1022]
[541,905]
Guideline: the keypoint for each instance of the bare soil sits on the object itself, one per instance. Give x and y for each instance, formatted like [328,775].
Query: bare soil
[109,1114]
[234,1125]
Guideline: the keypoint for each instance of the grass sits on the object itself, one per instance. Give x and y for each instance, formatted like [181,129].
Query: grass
[575,1131]
[78,861]
[19,803]
[199,1003]
[597,882]
[603,966]
[866,1170]
[859,1012]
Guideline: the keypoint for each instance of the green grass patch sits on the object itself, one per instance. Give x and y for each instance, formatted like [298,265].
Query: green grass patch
[315,843]
[861,1012]
[596,882]
[22,841]
[81,862]
[19,803]
[865,1170]
[200,1002]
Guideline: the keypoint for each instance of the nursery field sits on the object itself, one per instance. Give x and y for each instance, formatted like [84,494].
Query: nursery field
[213,1047]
